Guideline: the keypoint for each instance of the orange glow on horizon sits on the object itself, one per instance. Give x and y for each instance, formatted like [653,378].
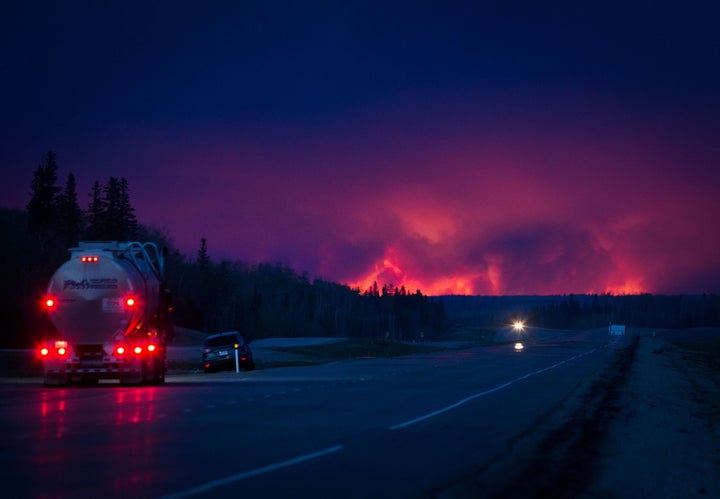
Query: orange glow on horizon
[629,287]
[393,272]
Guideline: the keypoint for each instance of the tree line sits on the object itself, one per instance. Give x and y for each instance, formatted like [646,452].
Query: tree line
[271,299]
[643,311]
[262,300]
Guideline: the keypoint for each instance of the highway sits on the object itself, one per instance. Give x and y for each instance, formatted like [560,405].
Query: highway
[396,427]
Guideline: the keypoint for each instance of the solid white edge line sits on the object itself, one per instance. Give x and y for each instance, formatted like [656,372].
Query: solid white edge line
[486,392]
[251,473]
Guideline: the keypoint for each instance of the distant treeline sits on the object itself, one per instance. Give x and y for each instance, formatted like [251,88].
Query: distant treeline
[262,300]
[644,310]
[586,311]
[266,300]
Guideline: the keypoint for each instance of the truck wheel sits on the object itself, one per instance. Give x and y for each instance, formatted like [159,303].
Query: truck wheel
[158,373]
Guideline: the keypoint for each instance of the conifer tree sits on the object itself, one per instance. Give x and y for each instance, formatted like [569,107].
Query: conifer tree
[42,206]
[203,258]
[95,213]
[125,210]
[111,216]
[70,216]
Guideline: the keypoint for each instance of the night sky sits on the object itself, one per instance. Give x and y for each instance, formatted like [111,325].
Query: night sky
[455,147]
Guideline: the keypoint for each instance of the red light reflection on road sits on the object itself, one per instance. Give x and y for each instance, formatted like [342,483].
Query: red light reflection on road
[135,406]
[52,415]
[110,428]
[133,443]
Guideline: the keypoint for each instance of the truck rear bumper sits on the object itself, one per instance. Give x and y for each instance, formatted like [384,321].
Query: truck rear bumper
[62,374]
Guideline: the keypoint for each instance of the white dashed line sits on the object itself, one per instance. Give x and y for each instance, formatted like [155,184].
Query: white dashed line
[200,489]
[486,392]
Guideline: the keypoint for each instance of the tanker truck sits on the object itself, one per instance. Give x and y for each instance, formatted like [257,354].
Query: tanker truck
[109,311]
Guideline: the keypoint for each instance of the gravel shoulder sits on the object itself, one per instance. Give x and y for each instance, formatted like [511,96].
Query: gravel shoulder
[665,438]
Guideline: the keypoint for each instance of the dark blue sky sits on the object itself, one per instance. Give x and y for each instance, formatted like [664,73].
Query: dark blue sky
[470,147]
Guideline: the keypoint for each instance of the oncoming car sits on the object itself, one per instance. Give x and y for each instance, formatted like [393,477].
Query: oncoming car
[219,352]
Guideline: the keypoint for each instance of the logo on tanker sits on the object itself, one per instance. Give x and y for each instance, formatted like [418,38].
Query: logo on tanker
[95,283]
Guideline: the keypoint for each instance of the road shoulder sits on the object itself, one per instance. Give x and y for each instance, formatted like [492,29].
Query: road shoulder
[665,438]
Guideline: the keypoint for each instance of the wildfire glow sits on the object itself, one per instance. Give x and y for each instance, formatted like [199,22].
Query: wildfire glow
[494,280]
[629,287]
[392,271]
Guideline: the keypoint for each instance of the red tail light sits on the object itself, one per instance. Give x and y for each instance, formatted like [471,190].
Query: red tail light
[120,350]
[89,259]
[151,348]
[50,303]
[130,302]
[138,350]
[59,348]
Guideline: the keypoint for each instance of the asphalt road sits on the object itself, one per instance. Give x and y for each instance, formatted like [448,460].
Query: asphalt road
[394,427]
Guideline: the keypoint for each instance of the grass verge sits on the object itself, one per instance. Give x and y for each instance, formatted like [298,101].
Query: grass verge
[352,349]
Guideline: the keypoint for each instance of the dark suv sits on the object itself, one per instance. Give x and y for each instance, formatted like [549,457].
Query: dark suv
[219,352]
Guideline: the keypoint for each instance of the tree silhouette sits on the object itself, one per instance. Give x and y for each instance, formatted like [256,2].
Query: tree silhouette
[95,213]
[110,214]
[70,216]
[203,259]
[43,197]
[120,223]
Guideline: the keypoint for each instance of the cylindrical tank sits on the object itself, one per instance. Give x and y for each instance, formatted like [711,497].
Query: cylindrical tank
[102,293]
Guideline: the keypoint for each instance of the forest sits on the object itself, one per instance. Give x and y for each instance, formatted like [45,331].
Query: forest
[259,299]
[585,311]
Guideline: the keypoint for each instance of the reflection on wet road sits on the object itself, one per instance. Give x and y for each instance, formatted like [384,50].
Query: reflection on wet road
[381,427]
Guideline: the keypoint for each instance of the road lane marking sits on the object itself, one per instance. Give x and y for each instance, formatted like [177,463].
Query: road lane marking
[200,489]
[486,392]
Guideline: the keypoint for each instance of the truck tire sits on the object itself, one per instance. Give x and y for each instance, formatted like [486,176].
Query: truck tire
[158,377]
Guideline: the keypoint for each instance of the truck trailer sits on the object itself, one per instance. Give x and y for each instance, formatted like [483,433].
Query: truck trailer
[109,311]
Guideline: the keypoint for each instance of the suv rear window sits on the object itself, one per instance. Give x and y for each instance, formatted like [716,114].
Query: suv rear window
[221,341]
